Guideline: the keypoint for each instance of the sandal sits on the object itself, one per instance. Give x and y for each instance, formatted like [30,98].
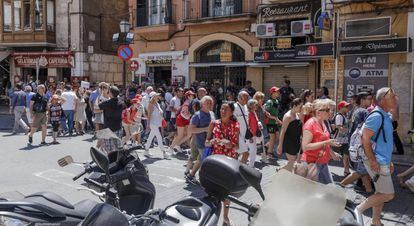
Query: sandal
[227,223]
[346,174]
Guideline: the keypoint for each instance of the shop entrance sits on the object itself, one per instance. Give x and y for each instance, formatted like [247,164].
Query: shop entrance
[223,75]
[162,75]
[4,76]
[27,73]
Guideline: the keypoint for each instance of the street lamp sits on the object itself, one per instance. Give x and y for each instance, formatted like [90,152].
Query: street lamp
[124,27]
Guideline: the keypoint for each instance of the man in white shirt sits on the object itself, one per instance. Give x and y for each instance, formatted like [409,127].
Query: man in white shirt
[145,97]
[241,113]
[174,107]
[68,108]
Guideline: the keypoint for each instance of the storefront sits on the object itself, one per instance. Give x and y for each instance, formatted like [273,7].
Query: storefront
[160,68]
[46,66]
[221,62]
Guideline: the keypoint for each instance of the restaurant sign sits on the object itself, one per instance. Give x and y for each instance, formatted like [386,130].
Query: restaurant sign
[44,61]
[294,10]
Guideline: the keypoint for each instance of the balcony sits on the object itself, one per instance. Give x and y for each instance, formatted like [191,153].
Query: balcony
[27,23]
[199,11]
[156,22]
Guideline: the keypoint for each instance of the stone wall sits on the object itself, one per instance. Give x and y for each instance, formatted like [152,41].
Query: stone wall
[99,67]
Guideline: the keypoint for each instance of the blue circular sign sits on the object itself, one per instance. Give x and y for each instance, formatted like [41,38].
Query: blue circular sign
[125,52]
[354,73]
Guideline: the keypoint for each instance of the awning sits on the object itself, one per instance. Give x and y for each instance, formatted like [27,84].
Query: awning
[218,64]
[4,55]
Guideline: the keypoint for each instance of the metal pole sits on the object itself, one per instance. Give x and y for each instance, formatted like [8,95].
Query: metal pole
[124,78]
[336,55]
[37,71]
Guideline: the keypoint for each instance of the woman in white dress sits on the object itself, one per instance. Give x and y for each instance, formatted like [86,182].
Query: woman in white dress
[80,114]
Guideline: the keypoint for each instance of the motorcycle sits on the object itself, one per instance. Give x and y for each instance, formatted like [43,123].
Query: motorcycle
[222,178]
[126,187]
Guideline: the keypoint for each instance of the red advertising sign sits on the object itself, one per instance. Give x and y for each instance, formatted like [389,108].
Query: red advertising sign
[45,60]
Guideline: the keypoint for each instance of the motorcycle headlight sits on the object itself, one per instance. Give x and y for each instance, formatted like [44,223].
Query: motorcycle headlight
[9,221]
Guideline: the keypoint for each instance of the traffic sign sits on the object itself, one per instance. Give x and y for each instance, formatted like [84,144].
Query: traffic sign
[134,65]
[125,52]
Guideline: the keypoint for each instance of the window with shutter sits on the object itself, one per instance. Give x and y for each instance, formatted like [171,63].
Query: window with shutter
[142,15]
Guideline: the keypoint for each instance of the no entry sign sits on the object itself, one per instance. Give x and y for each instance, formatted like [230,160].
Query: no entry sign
[134,65]
[125,52]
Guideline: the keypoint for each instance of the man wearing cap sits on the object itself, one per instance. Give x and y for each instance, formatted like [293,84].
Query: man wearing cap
[272,112]
[341,134]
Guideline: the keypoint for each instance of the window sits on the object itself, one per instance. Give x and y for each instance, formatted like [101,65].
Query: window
[38,8]
[27,21]
[18,11]
[160,12]
[217,8]
[368,27]
[50,15]
[7,15]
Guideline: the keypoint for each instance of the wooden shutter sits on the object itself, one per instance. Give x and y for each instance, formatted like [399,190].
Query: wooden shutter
[298,76]
[238,6]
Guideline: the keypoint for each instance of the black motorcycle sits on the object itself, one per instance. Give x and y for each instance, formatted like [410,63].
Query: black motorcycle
[222,178]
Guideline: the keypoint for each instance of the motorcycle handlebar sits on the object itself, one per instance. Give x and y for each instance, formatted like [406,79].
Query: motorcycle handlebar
[79,175]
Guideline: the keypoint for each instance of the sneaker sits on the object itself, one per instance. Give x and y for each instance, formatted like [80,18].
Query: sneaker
[165,155]
[264,158]
[192,180]
[43,143]
[30,140]
[55,142]
[148,154]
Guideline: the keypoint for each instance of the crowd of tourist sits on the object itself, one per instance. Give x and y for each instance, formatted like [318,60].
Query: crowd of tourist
[309,128]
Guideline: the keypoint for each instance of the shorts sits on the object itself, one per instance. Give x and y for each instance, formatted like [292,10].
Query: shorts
[55,126]
[384,183]
[359,167]
[242,145]
[272,128]
[39,119]
[136,128]
[112,144]
[29,116]
[172,127]
[182,122]
[343,150]
[98,118]
[197,154]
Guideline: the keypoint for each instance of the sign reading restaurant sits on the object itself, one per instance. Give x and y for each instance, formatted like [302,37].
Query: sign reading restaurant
[297,9]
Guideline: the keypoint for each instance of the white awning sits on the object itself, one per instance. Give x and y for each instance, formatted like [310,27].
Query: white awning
[172,55]
[4,55]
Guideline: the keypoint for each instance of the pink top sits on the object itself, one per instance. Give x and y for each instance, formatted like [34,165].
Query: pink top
[185,113]
[320,133]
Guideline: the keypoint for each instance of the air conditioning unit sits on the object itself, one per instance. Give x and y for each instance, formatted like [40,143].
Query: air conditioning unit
[301,28]
[265,30]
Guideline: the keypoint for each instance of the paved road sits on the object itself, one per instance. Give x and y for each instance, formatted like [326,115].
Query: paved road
[31,169]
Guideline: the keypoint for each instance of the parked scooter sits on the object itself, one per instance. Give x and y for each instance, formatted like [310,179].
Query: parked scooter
[123,183]
[221,177]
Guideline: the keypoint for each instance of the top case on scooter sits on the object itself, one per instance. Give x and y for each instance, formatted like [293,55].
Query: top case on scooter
[220,176]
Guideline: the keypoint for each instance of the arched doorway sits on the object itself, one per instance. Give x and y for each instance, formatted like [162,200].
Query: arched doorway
[221,62]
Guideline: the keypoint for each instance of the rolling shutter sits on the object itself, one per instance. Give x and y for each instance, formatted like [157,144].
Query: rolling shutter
[274,76]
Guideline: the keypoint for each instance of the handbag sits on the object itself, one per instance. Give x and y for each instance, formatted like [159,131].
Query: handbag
[206,152]
[163,123]
[248,134]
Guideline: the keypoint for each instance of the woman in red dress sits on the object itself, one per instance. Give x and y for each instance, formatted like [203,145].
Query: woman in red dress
[225,139]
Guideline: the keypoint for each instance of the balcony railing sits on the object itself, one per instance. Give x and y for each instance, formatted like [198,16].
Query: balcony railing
[156,15]
[204,9]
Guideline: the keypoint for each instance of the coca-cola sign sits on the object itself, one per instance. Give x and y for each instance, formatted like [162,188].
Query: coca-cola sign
[47,60]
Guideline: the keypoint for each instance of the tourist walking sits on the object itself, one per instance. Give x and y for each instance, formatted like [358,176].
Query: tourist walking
[80,112]
[242,116]
[255,129]
[291,134]
[341,134]
[69,107]
[29,94]
[273,122]
[378,128]
[155,122]
[38,110]
[55,114]
[18,106]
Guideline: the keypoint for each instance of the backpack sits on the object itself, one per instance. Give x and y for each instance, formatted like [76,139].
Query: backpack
[356,149]
[336,130]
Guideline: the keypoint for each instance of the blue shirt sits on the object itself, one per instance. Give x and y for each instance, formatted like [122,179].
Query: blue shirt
[201,119]
[383,150]
[94,96]
[29,98]
[19,98]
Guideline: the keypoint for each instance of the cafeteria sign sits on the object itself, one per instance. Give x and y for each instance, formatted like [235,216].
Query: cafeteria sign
[365,71]
[51,61]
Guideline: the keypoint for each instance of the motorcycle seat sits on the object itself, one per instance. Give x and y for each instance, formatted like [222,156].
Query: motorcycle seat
[79,210]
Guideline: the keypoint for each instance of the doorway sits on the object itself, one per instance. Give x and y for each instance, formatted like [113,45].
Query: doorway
[162,75]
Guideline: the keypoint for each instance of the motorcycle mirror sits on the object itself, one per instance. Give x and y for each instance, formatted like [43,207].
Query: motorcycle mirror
[100,159]
[67,160]
[253,177]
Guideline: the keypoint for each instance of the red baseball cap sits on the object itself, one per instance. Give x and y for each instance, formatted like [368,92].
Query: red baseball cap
[136,100]
[343,104]
[138,96]
[273,90]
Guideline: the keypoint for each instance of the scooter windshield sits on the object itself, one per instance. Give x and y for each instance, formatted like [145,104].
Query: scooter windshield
[292,200]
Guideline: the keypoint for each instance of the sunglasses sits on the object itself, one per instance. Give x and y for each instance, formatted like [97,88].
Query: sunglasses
[389,91]
[325,109]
